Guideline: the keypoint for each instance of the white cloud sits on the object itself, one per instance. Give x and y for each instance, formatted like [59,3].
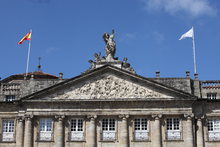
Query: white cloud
[194,8]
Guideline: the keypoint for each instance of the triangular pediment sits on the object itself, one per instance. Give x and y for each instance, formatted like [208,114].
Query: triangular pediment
[107,83]
[107,87]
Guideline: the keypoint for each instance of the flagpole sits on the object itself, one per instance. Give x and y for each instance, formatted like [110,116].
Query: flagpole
[28,57]
[194,51]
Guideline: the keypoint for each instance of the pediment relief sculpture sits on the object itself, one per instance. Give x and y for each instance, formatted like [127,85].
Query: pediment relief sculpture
[110,87]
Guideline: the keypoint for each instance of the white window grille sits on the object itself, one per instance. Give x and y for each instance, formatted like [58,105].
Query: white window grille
[45,129]
[214,130]
[76,130]
[140,129]
[8,130]
[9,98]
[211,96]
[173,129]
[108,129]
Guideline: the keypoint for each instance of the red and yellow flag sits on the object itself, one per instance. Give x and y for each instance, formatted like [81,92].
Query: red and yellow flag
[26,37]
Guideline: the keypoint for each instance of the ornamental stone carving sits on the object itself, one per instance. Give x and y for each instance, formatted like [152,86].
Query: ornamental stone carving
[110,87]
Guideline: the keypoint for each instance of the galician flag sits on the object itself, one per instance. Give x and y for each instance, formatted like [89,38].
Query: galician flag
[189,34]
[26,37]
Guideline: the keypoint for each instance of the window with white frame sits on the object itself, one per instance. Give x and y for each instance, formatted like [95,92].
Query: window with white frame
[108,129]
[140,129]
[211,96]
[76,130]
[213,130]
[46,129]
[8,130]
[9,98]
[173,129]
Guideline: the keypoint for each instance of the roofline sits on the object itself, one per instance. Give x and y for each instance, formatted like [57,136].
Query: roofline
[66,82]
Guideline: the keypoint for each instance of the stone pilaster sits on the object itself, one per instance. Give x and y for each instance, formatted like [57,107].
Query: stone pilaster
[124,131]
[19,132]
[59,137]
[156,134]
[199,133]
[188,130]
[91,131]
[28,131]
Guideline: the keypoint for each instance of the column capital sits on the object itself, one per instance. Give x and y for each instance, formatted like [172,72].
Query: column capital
[20,118]
[188,116]
[28,117]
[157,116]
[92,117]
[59,117]
[200,117]
[123,116]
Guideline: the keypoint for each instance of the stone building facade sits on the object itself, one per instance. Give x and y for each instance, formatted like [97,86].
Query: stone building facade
[109,105]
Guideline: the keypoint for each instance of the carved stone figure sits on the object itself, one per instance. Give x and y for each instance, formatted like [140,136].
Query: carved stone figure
[110,87]
[110,44]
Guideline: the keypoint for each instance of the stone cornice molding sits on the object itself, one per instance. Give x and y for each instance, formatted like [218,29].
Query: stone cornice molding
[157,116]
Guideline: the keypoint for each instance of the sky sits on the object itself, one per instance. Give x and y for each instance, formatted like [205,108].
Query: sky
[67,33]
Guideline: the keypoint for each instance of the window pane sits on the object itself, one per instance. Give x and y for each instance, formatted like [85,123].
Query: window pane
[45,125]
[140,124]
[80,125]
[173,124]
[137,124]
[144,124]
[108,124]
[8,125]
[9,98]
[169,123]
[105,124]
[211,96]
[76,125]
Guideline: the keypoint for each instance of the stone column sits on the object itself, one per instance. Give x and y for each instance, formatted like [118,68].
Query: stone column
[200,137]
[91,131]
[188,131]
[156,131]
[28,131]
[59,136]
[123,131]
[19,132]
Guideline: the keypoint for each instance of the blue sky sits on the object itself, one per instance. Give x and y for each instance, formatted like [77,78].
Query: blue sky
[66,34]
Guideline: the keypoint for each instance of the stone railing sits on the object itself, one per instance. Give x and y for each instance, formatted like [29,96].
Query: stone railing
[76,136]
[45,136]
[173,135]
[141,135]
[213,136]
[108,136]
[210,84]
[7,137]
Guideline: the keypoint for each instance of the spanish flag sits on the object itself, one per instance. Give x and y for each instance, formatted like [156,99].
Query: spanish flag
[26,37]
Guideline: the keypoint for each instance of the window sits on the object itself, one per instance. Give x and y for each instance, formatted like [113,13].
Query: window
[108,129]
[76,130]
[211,96]
[140,129]
[8,130]
[173,129]
[213,130]
[45,132]
[9,98]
